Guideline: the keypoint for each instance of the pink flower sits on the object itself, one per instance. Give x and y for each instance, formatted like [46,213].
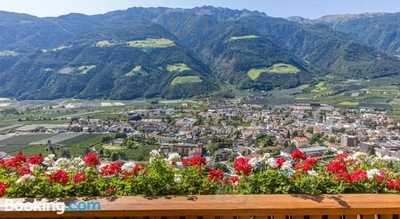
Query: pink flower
[59,176]
[298,154]
[3,189]
[215,175]
[242,166]
[91,159]
[196,161]
[79,177]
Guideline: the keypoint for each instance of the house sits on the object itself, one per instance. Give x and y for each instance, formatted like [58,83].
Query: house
[184,149]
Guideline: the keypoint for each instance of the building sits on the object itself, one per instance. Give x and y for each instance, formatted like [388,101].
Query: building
[349,141]
[184,149]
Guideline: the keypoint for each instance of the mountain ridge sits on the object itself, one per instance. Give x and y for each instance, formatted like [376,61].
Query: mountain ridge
[174,53]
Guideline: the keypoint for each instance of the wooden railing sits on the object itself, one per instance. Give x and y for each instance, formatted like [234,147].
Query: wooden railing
[360,206]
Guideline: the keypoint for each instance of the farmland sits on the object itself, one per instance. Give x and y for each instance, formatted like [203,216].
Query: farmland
[186,80]
[151,43]
[179,67]
[279,68]
[246,37]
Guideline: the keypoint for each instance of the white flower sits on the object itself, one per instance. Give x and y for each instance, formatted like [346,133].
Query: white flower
[389,158]
[312,173]
[178,178]
[253,162]
[372,173]
[358,156]
[272,162]
[154,153]
[174,157]
[265,157]
[179,165]
[49,160]
[285,155]
[287,165]
[128,167]
[62,162]
[25,178]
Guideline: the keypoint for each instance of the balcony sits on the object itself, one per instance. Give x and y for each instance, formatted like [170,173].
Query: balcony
[351,206]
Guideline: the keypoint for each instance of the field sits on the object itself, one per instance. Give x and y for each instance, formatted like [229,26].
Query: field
[151,43]
[282,68]
[246,37]
[135,71]
[186,80]
[76,146]
[16,143]
[255,73]
[57,139]
[179,67]
[279,68]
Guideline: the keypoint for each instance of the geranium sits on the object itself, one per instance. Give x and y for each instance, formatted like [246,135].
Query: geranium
[393,184]
[233,180]
[358,176]
[306,165]
[336,166]
[36,159]
[196,161]
[59,176]
[298,154]
[242,166]
[15,162]
[79,177]
[91,159]
[3,189]
[131,169]
[111,169]
[280,161]
[23,170]
[216,175]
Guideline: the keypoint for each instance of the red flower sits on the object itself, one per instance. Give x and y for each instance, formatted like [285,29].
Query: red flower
[215,175]
[336,166]
[280,161]
[16,161]
[234,180]
[306,165]
[59,176]
[196,161]
[36,159]
[298,154]
[381,177]
[23,170]
[242,166]
[358,176]
[91,159]
[79,177]
[393,184]
[111,169]
[3,189]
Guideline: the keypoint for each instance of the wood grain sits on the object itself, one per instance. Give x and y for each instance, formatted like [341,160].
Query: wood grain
[229,206]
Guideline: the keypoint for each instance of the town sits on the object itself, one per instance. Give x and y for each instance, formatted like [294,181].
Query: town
[219,130]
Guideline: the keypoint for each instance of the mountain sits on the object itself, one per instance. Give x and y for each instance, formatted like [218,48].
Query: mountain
[380,30]
[175,53]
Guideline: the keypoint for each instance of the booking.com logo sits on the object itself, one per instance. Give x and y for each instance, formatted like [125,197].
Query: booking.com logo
[58,207]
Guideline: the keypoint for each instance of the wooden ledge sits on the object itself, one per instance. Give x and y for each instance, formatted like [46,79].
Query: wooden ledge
[237,205]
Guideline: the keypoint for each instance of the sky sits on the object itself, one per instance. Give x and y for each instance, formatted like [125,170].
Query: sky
[276,8]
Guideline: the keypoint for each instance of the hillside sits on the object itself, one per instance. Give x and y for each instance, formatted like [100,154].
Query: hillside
[174,53]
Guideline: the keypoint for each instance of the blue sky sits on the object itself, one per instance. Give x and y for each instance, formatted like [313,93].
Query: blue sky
[278,8]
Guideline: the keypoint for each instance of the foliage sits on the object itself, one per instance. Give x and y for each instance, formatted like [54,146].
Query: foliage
[38,177]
